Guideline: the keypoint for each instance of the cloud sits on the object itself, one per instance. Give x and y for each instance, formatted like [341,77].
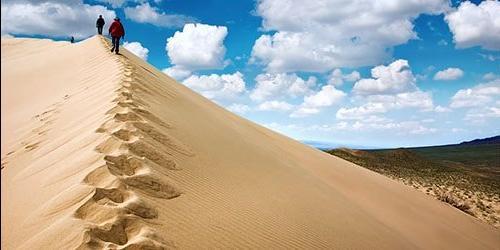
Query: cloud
[457,130]
[394,78]
[386,126]
[120,3]
[177,72]
[337,78]
[490,76]
[391,87]
[415,99]
[275,106]
[478,96]
[270,86]
[479,115]
[137,49]
[226,86]
[198,46]
[327,96]
[304,111]
[489,57]
[449,74]
[361,112]
[379,104]
[401,128]
[442,42]
[476,25]
[318,36]
[441,109]
[238,108]
[415,128]
[52,18]
[114,3]
[145,13]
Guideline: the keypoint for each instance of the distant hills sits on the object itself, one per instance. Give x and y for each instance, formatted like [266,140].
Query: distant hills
[328,145]
[489,140]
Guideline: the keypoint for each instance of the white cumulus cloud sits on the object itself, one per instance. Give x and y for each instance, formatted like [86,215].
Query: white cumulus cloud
[52,18]
[271,86]
[321,35]
[392,87]
[479,115]
[114,3]
[397,77]
[416,99]
[275,106]
[145,13]
[478,96]
[476,25]
[441,109]
[400,128]
[337,78]
[137,49]
[449,74]
[379,104]
[121,3]
[226,86]
[304,111]
[327,96]
[177,72]
[197,46]
[361,112]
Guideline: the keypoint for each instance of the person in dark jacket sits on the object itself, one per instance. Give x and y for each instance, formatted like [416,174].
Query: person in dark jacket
[99,24]
[116,31]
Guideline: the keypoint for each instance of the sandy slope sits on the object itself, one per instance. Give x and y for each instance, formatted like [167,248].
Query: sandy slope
[100,150]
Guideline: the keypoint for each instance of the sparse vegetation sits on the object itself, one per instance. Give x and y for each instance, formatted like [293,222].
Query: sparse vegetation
[464,176]
[452,200]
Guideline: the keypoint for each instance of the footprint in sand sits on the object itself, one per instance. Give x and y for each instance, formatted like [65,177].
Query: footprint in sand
[32,146]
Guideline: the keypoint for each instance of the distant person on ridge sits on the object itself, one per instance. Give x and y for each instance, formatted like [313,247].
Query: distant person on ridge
[99,24]
[116,31]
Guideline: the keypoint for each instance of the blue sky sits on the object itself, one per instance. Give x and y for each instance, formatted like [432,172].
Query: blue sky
[350,73]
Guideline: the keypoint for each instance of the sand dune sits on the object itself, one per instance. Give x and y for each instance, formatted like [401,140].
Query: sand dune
[105,151]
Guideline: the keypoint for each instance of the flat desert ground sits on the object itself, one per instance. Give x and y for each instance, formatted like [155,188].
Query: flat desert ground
[105,151]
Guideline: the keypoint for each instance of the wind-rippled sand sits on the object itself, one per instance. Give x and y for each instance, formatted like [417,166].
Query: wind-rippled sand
[105,151]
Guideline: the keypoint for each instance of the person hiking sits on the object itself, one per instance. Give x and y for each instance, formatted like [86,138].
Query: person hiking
[116,31]
[99,24]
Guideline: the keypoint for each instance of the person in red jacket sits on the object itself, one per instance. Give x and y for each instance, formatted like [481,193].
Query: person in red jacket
[116,31]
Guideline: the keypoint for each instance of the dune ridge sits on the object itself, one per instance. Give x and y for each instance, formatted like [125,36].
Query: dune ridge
[117,155]
[116,215]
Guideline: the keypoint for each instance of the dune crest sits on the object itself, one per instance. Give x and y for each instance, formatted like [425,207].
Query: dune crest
[135,153]
[105,151]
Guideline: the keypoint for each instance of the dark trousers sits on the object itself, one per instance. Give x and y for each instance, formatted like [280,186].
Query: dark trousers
[99,30]
[116,44]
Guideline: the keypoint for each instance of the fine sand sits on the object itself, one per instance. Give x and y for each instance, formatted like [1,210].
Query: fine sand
[105,151]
